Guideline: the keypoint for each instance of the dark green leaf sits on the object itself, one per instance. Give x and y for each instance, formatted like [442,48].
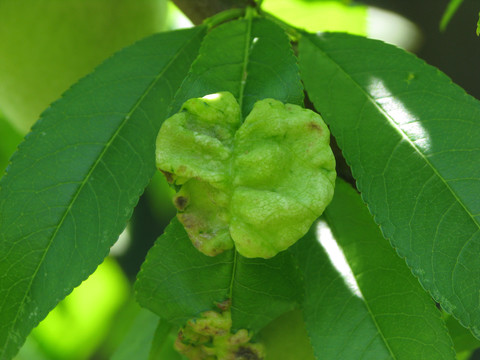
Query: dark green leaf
[464,342]
[451,9]
[337,321]
[177,282]
[75,179]
[251,58]
[412,139]
[406,317]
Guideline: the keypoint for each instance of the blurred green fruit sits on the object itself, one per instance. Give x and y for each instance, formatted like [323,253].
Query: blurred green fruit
[47,45]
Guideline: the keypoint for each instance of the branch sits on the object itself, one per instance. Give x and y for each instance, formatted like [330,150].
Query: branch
[199,10]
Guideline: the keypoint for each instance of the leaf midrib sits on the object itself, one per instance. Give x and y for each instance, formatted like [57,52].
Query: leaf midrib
[332,225]
[417,150]
[401,133]
[246,57]
[83,183]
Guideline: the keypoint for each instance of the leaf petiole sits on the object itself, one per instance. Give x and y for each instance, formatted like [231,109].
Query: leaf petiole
[224,16]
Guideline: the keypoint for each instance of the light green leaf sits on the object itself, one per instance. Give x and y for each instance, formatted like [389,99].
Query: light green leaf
[451,9]
[406,317]
[251,58]
[138,340]
[9,140]
[478,25]
[411,138]
[75,179]
[261,183]
[323,15]
[163,343]
[149,337]
[286,338]
[177,282]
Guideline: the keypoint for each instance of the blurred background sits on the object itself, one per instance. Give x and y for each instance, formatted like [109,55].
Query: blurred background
[47,45]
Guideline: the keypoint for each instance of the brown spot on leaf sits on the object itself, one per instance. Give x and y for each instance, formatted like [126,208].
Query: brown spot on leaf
[168,176]
[181,202]
[246,353]
[314,126]
[224,305]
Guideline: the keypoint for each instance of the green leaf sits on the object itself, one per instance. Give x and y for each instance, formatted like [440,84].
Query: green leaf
[463,340]
[336,319]
[451,9]
[148,338]
[406,317]
[286,338]
[139,338]
[251,58]
[478,25]
[163,343]
[75,179]
[177,282]
[411,138]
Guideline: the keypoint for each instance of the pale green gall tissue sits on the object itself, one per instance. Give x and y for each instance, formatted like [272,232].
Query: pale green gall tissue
[257,185]
[210,337]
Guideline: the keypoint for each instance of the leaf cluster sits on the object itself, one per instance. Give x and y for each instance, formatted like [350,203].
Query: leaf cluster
[409,135]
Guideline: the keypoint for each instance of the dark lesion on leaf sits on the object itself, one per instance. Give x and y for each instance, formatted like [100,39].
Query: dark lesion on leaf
[169,176]
[181,202]
[315,127]
[245,353]
[224,305]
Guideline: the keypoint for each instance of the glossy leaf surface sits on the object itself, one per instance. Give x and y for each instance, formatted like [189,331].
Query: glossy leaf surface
[411,138]
[75,179]
[407,319]
[336,319]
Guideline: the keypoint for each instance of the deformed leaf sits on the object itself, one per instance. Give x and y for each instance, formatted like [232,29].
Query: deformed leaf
[210,336]
[74,181]
[261,183]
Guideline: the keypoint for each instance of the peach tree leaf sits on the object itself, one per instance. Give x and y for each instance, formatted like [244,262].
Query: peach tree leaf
[412,139]
[74,181]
